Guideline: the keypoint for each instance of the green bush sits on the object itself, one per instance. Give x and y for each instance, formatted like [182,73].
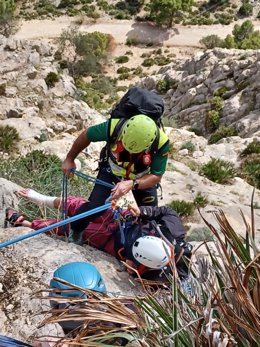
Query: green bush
[8,138]
[189,146]
[211,41]
[200,234]
[183,208]
[221,133]
[2,89]
[131,42]
[148,62]
[212,120]
[219,171]
[252,148]
[246,9]
[51,79]
[250,169]
[123,69]
[7,17]
[216,103]
[196,131]
[200,200]
[162,60]
[122,59]
[163,86]
[220,91]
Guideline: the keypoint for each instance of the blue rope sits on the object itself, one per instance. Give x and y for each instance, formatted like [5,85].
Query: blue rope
[6,341]
[93,179]
[56,225]
[64,201]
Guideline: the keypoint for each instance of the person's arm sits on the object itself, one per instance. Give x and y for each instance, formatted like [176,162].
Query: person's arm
[94,133]
[80,143]
[145,182]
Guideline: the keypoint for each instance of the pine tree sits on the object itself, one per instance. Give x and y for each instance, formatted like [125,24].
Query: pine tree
[7,22]
[163,11]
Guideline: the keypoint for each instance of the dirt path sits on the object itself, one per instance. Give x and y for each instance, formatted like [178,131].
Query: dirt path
[121,30]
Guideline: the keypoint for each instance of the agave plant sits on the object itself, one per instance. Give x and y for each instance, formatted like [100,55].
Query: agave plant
[223,310]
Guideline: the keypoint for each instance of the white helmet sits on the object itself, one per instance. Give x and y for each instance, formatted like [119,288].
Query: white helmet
[152,252]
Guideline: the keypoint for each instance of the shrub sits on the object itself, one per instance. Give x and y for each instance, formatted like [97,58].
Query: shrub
[51,79]
[8,138]
[219,171]
[196,131]
[212,120]
[7,18]
[211,41]
[220,91]
[246,9]
[163,86]
[250,170]
[183,208]
[162,60]
[148,62]
[221,133]
[252,147]
[131,42]
[122,59]
[123,69]
[200,234]
[189,146]
[216,103]
[200,200]
[2,89]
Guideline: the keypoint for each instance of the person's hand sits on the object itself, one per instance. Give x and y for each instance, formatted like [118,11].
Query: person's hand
[121,189]
[67,166]
[134,210]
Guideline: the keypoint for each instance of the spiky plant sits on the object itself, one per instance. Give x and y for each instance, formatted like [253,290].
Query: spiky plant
[224,309]
[8,138]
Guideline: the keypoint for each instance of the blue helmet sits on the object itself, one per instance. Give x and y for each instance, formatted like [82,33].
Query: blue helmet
[81,274]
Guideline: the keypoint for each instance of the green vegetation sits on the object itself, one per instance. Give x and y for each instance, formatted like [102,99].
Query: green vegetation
[200,200]
[200,234]
[189,146]
[92,50]
[250,165]
[212,120]
[252,148]
[8,138]
[246,9]
[186,208]
[122,59]
[7,17]
[41,172]
[163,86]
[182,207]
[221,133]
[250,170]
[219,171]
[51,79]
[96,91]
[163,11]
[243,37]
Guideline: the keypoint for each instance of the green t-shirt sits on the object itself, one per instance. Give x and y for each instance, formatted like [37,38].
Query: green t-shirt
[99,132]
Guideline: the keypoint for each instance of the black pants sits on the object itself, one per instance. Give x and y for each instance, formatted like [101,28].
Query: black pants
[99,195]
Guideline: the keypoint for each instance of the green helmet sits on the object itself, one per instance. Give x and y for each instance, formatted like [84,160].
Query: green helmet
[138,134]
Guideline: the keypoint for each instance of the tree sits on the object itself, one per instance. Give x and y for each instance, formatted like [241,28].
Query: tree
[243,31]
[7,21]
[163,11]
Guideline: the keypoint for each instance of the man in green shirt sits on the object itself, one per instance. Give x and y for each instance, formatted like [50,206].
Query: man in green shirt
[134,158]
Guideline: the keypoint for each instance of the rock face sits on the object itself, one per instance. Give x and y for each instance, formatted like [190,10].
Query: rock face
[233,75]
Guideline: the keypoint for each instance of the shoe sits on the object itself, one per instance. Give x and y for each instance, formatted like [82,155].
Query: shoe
[13,218]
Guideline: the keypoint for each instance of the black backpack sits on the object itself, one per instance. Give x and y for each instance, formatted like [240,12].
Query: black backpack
[138,101]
